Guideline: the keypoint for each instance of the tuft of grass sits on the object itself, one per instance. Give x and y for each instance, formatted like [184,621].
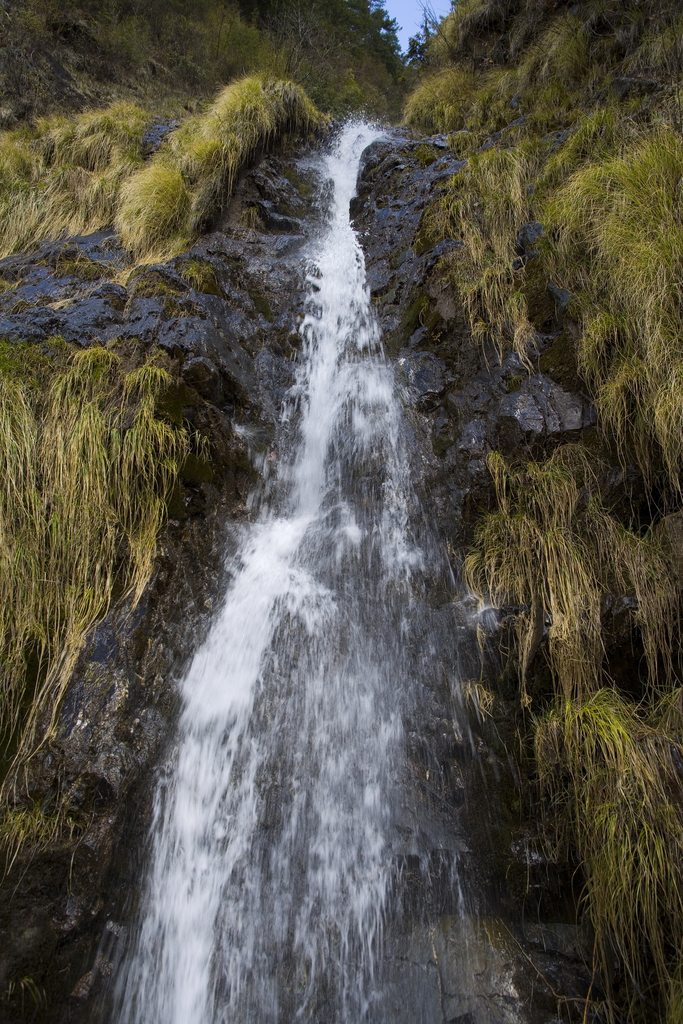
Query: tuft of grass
[552,551]
[189,180]
[201,276]
[563,54]
[34,828]
[485,205]
[70,263]
[608,769]
[617,243]
[70,177]
[88,468]
[479,698]
[154,206]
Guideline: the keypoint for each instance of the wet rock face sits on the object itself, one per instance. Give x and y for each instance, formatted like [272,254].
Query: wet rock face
[462,402]
[465,401]
[225,314]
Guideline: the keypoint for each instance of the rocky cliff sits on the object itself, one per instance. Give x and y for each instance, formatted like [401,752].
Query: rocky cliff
[224,316]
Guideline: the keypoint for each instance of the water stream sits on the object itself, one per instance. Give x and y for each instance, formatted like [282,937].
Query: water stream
[275,825]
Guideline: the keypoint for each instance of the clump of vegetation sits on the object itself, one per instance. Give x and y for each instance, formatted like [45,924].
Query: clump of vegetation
[35,828]
[617,242]
[88,468]
[607,766]
[71,177]
[610,772]
[201,276]
[552,551]
[485,205]
[442,102]
[188,180]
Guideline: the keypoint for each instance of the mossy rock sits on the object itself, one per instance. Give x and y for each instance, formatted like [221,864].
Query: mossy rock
[514,383]
[534,287]
[175,505]
[421,313]
[201,276]
[70,264]
[440,445]
[195,470]
[177,397]
[262,305]
[425,239]
[425,155]
[153,285]
[32,362]
[303,187]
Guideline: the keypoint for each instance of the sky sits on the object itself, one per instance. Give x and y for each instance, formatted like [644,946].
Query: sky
[408,14]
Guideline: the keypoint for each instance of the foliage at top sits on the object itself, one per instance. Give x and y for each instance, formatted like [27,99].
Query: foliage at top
[345,53]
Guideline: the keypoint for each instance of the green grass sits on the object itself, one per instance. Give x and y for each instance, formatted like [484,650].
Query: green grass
[88,468]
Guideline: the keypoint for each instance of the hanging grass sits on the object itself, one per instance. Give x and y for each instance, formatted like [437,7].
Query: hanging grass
[617,243]
[554,552]
[87,470]
[485,205]
[608,769]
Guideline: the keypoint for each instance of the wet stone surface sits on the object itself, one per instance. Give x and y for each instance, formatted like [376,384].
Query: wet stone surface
[464,400]
[226,314]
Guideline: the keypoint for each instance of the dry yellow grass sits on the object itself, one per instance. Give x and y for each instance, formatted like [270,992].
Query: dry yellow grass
[70,177]
[554,551]
[87,470]
[618,244]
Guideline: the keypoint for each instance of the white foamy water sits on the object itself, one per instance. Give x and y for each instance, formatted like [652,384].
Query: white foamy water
[267,886]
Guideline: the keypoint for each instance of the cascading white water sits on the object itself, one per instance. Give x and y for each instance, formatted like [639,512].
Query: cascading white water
[270,864]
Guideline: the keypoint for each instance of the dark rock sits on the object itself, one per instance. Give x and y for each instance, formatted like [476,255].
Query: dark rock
[156,133]
[528,234]
[561,296]
[202,374]
[86,321]
[422,377]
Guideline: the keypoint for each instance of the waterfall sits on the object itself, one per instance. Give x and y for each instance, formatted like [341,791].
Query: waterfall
[270,867]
